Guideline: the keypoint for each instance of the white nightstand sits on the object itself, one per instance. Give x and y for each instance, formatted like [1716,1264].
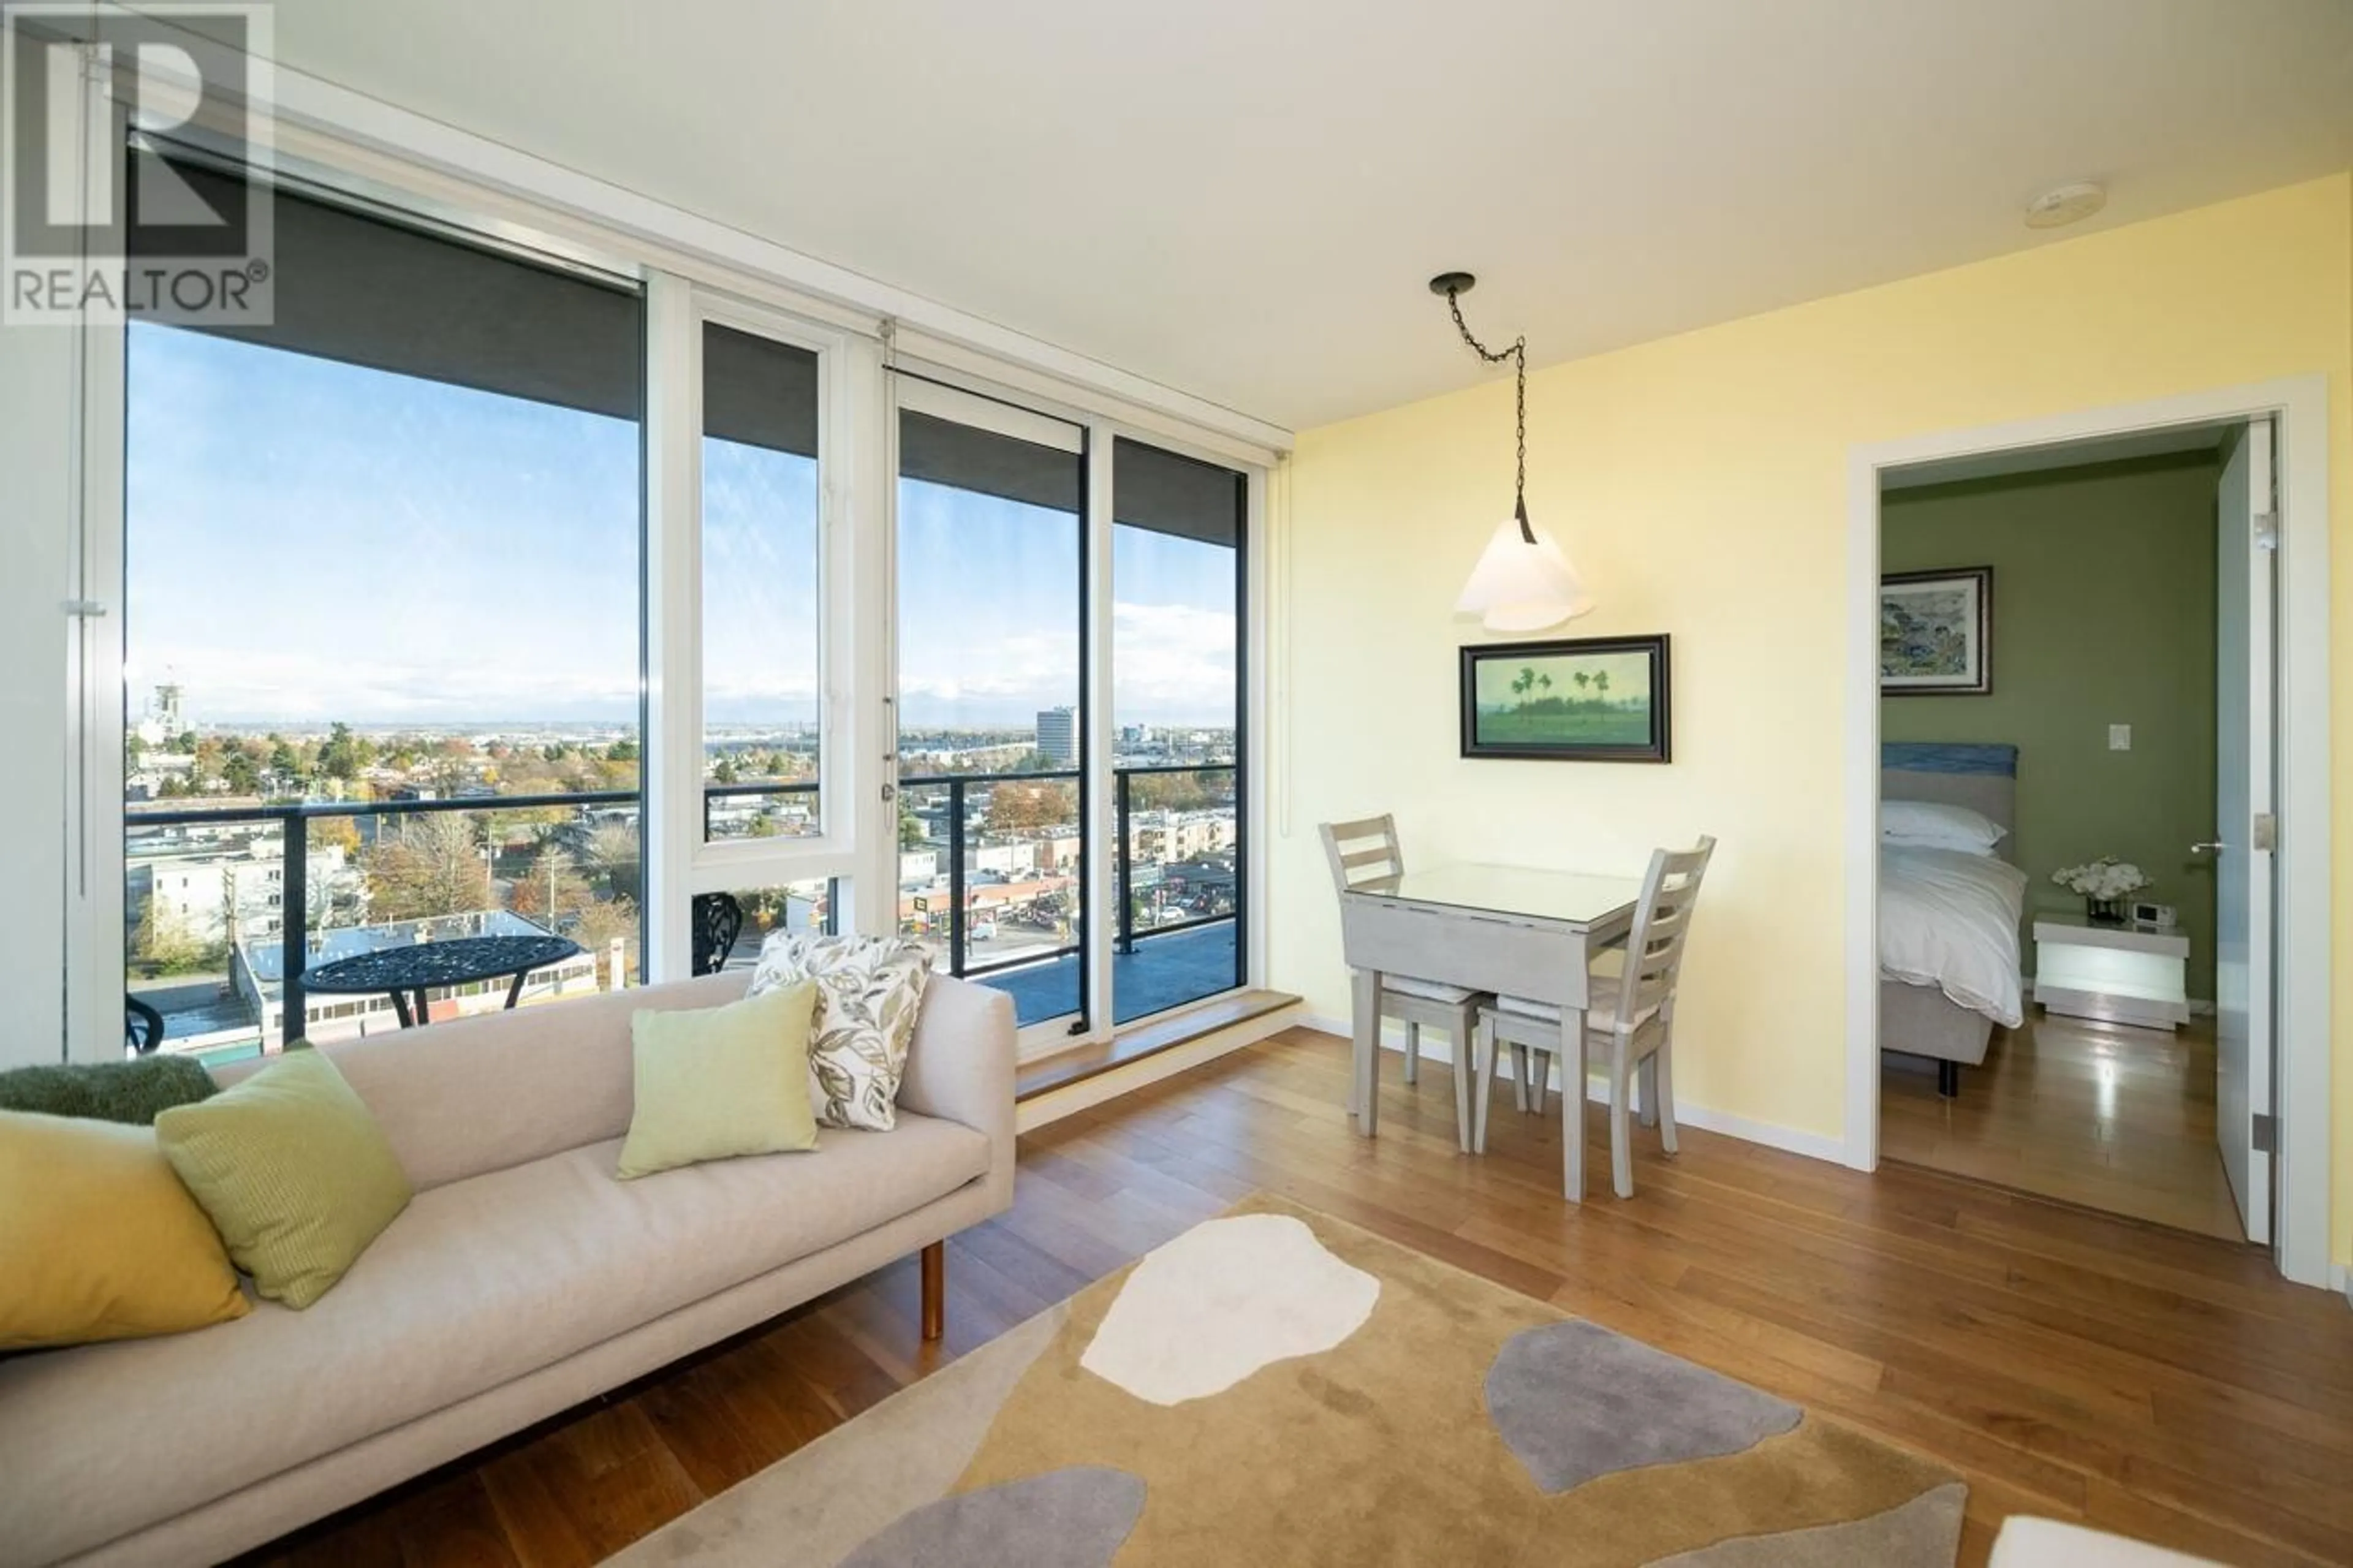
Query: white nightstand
[2120,974]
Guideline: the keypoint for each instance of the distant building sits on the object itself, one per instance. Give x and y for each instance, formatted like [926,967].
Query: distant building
[1058,735]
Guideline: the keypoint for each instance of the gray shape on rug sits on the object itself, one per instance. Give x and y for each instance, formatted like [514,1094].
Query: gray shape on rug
[1574,1401]
[1925,1532]
[856,1479]
[1072,1517]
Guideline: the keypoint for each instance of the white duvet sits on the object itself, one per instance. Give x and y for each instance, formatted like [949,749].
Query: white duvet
[1950,919]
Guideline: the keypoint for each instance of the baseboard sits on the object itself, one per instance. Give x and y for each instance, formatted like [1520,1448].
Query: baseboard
[1042,1110]
[1789,1140]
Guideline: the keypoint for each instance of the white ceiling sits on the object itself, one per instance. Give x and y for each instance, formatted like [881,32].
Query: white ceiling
[1243,198]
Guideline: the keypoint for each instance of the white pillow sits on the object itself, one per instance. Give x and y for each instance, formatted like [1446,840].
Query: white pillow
[1943,845]
[869,989]
[1934,824]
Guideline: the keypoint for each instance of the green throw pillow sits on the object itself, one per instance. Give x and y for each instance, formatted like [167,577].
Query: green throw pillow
[718,1081]
[127,1091]
[291,1170]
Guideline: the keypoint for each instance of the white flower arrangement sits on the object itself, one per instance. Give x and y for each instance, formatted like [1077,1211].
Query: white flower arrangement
[2106,880]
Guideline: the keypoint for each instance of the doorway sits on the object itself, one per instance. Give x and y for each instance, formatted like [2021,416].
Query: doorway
[2094,1079]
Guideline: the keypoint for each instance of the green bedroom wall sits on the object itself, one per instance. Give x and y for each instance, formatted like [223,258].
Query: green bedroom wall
[2103,614]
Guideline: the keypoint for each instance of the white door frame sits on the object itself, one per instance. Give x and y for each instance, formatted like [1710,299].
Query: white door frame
[2301,1025]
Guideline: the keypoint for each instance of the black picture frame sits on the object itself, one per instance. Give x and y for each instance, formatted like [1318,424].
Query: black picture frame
[1574,720]
[1975,584]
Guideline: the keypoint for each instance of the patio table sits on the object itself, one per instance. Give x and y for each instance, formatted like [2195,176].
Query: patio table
[405,972]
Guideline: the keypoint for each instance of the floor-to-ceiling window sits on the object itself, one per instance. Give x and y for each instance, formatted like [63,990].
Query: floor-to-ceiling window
[382,654]
[1178,571]
[992,706]
[511,586]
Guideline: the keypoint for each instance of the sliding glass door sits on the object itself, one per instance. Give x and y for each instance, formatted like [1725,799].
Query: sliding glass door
[1177,578]
[992,716]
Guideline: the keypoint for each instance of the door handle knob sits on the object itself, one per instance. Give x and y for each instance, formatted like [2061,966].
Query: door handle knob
[2215,848]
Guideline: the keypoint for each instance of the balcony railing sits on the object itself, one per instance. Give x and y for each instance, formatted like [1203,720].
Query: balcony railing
[1142,911]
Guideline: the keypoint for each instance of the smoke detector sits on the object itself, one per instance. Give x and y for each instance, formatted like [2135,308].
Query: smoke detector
[2065,204]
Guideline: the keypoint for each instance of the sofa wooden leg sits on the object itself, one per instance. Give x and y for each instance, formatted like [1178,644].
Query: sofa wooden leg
[935,1288]
[1949,1079]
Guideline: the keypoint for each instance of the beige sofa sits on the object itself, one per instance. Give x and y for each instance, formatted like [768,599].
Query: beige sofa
[524,1279]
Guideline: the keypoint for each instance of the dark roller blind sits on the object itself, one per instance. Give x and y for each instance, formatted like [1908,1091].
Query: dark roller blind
[758,392]
[370,292]
[1169,494]
[946,453]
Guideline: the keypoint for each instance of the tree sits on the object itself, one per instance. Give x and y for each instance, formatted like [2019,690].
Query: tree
[911,828]
[613,857]
[238,772]
[1523,683]
[434,866]
[1544,681]
[1601,684]
[334,833]
[601,925]
[1583,680]
[624,749]
[1015,806]
[552,891]
[163,941]
[284,763]
[723,771]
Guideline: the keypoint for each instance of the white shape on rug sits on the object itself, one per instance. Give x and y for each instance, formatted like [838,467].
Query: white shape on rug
[1225,1298]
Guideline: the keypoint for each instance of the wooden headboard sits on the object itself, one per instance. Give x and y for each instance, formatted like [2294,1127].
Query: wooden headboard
[1981,775]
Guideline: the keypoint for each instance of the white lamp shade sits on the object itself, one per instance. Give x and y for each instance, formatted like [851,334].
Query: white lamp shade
[1523,587]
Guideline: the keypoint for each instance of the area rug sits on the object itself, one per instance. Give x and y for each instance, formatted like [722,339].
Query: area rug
[1275,1386]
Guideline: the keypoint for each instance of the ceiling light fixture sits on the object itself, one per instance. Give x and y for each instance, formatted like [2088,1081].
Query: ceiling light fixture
[2065,204]
[1523,582]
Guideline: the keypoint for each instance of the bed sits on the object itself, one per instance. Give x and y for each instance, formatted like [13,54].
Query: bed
[1948,920]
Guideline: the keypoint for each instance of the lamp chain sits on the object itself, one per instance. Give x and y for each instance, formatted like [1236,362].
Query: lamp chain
[1518,354]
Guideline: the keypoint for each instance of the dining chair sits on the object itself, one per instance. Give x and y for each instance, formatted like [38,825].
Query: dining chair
[1366,858]
[1630,1016]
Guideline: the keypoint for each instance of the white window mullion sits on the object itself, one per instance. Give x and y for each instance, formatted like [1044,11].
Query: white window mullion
[1100,806]
[863,488]
[674,595]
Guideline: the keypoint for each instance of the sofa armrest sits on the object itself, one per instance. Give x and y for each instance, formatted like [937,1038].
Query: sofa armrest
[960,1069]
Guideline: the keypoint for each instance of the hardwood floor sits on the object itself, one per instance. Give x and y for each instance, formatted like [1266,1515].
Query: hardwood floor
[2149,1382]
[2111,1118]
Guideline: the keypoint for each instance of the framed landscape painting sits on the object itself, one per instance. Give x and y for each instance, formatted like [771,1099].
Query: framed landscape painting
[1935,633]
[1593,699]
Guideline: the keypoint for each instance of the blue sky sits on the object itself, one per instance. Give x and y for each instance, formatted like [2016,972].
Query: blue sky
[309,541]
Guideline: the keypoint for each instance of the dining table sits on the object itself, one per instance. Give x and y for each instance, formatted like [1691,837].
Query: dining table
[1510,930]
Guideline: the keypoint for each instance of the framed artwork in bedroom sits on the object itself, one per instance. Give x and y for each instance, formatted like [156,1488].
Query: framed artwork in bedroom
[1590,699]
[1935,633]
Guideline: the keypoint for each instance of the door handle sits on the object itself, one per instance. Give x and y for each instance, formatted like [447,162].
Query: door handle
[2215,848]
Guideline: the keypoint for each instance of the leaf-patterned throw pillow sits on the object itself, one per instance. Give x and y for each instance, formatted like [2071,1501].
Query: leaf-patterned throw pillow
[869,989]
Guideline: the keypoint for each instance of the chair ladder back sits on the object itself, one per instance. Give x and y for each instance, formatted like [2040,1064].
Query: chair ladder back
[1365,856]
[1654,948]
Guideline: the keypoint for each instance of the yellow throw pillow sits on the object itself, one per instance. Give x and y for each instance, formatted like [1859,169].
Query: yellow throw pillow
[294,1172]
[97,1239]
[718,1081]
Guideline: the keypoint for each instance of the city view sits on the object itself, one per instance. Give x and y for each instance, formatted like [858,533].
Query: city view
[206,915]
[382,676]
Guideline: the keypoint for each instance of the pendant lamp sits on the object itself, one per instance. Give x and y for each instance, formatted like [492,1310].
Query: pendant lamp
[1523,582]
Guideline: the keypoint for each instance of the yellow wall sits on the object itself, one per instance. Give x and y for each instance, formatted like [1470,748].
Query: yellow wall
[1700,483]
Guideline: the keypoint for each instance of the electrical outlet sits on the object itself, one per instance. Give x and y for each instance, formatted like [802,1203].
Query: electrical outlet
[2120,737]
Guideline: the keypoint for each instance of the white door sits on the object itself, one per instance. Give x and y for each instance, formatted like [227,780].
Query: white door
[2243,825]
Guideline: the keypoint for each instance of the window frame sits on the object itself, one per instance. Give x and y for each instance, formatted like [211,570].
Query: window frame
[682,289]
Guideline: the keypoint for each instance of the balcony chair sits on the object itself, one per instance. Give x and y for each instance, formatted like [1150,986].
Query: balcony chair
[1366,858]
[718,921]
[142,1029]
[1631,1017]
